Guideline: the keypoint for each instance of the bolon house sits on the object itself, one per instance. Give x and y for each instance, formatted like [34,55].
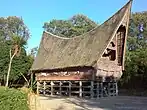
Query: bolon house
[88,65]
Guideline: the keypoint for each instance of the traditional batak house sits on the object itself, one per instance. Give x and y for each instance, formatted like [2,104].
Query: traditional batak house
[88,65]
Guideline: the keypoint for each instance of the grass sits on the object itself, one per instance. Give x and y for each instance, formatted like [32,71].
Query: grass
[13,99]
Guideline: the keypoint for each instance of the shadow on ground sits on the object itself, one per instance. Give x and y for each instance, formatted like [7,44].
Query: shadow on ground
[107,103]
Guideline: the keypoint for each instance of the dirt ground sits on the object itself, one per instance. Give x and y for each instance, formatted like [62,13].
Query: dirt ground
[107,103]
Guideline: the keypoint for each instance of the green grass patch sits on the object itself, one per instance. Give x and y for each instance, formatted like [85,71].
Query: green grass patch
[13,99]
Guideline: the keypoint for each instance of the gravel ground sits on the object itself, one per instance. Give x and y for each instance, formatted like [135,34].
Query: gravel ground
[108,103]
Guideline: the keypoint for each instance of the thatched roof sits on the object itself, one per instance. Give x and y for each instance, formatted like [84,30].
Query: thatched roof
[84,50]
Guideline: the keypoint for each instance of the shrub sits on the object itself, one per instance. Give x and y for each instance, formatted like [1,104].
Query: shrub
[13,99]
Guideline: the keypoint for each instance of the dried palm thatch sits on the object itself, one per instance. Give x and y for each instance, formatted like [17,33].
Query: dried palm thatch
[58,52]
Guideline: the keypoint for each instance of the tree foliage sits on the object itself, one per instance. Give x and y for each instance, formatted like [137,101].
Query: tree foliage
[135,74]
[136,39]
[13,36]
[75,26]
[13,25]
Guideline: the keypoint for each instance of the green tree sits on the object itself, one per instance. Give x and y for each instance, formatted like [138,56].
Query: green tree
[15,49]
[14,35]
[13,25]
[134,42]
[74,26]
[33,52]
[136,57]
[20,64]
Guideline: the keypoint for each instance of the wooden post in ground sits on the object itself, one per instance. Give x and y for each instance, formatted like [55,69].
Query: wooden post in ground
[97,88]
[69,88]
[101,89]
[109,87]
[116,87]
[52,87]
[44,87]
[60,88]
[91,90]
[113,88]
[38,87]
[80,92]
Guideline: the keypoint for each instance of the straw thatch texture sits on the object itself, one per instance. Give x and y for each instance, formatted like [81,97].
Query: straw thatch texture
[84,50]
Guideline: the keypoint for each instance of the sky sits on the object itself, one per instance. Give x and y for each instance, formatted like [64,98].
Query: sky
[36,12]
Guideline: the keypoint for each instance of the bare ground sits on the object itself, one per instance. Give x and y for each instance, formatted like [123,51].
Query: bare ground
[108,103]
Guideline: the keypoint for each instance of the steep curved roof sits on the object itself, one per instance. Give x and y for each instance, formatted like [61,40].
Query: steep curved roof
[84,50]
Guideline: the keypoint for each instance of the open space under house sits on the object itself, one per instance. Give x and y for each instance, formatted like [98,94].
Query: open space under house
[88,65]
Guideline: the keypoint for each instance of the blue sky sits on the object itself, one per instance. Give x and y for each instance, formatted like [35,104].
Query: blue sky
[36,12]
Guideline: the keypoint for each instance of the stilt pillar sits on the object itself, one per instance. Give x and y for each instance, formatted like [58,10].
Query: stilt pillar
[98,90]
[91,90]
[80,91]
[44,87]
[52,87]
[116,86]
[69,88]
[38,87]
[60,91]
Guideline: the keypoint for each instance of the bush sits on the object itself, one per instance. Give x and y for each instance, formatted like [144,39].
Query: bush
[13,99]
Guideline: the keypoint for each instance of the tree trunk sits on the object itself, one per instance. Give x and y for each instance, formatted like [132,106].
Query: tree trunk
[9,68]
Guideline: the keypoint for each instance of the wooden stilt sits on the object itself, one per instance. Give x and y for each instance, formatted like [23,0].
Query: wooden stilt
[116,87]
[91,90]
[101,89]
[113,89]
[80,92]
[60,88]
[69,88]
[44,87]
[52,87]
[109,87]
[98,93]
[102,86]
[38,87]
[78,88]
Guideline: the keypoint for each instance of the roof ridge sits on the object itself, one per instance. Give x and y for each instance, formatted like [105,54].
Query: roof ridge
[74,36]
